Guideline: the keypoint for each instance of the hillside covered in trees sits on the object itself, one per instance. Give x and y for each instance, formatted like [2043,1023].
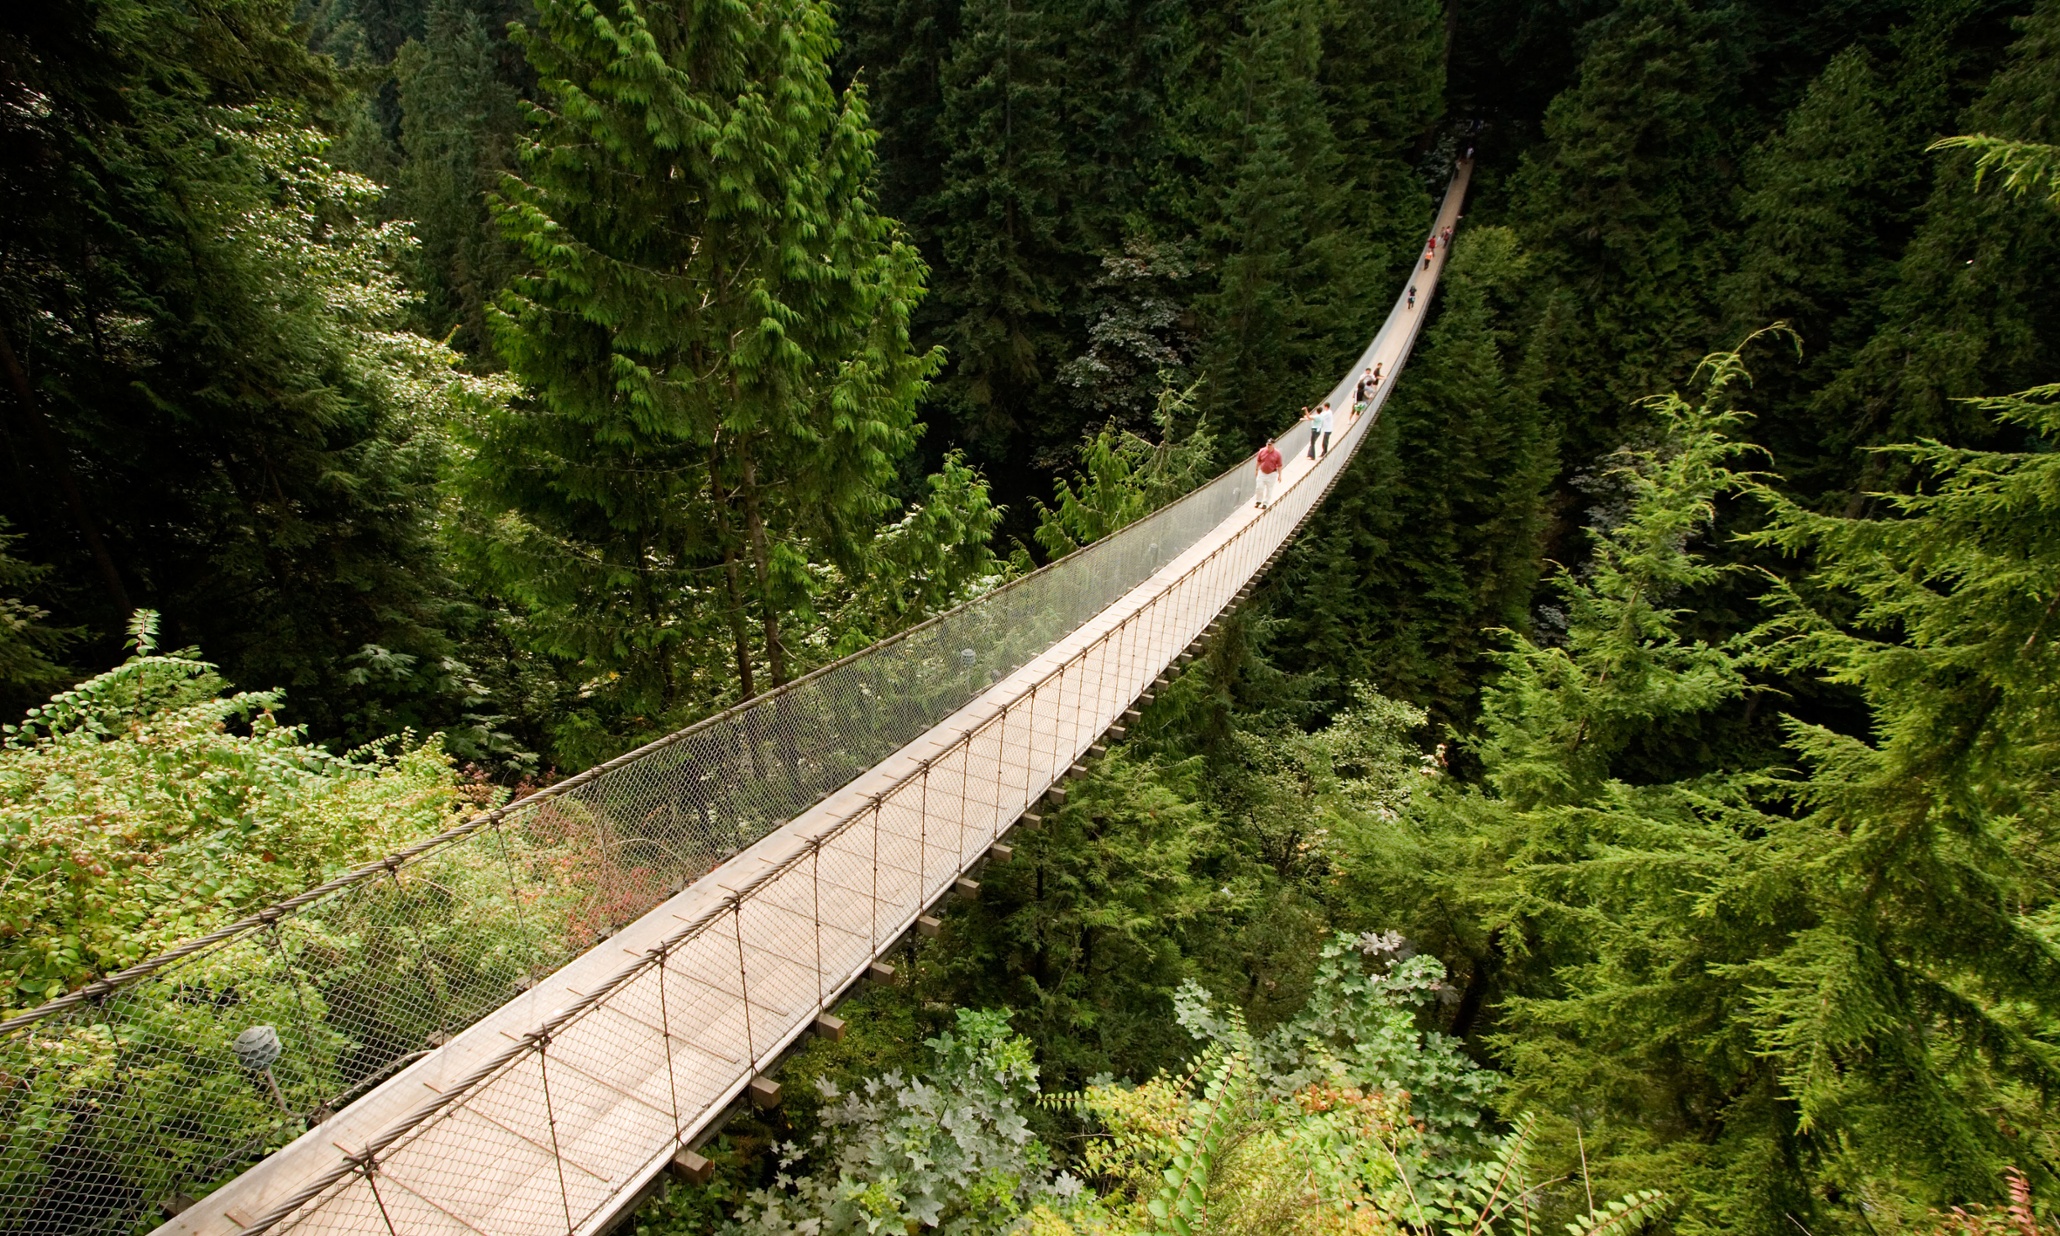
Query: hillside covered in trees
[1629,804]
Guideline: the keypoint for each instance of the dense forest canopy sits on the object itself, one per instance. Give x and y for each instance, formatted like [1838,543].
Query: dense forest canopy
[1636,783]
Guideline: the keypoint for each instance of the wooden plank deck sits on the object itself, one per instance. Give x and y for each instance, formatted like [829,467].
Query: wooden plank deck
[568,1129]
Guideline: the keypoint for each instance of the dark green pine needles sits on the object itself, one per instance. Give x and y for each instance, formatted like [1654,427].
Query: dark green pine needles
[714,342]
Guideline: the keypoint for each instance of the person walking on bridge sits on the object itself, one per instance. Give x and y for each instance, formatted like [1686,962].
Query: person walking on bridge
[1412,296]
[1319,427]
[1362,394]
[1270,463]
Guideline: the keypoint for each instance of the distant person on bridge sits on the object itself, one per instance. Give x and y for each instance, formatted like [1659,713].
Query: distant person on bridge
[1412,296]
[1363,393]
[1319,427]
[1270,464]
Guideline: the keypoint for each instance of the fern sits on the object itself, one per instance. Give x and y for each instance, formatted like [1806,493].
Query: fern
[1181,1204]
[1626,1214]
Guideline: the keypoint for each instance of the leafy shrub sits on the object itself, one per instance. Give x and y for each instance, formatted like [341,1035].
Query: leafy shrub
[149,804]
[950,1151]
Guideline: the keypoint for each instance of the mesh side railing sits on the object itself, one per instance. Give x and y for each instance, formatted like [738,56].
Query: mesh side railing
[612,1086]
[122,1100]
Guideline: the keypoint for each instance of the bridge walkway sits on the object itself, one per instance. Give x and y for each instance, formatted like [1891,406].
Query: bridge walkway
[552,1113]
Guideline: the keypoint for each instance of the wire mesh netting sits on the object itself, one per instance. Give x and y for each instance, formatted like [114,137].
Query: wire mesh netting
[122,1102]
[123,1099]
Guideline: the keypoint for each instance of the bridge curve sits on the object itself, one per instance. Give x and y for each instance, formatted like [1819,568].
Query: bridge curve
[551,1112]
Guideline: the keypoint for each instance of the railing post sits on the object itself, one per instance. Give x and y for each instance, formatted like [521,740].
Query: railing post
[529,959]
[874,937]
[743,979]
[923,838]
[1001,760]
[542,1039]
[815,849]
[369,1166]
[662,955]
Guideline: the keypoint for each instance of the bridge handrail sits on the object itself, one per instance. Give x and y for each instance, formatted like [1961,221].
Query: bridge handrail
[624,836]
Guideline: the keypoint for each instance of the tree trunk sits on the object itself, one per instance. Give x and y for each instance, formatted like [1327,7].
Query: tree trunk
[743,642]
[46,439]
[754,526]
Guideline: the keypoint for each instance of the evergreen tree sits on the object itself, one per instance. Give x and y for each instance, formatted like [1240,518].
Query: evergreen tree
[1972,306]
[996,223]
[715,346]
[1624,203]
[1432,543]
[28,644]
[459,121]
[898,49]
[1829,205]
[1292,271]
[215,409]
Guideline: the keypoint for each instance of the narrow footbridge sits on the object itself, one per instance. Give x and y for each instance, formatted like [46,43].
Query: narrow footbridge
[512,1028]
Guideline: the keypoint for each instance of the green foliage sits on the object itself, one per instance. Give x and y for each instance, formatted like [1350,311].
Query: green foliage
[27,642]
[2026,166]
[1126,477]
[1433,540]
[937,555]
[460,120]
[1623,197]
[1968,312]
[230,421]
[714,344]
[1277,218]
[1941,616]
[146,806]
[1781,993]
[949,1150]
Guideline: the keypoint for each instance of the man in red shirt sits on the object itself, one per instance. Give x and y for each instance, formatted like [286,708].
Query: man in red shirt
[1270,464]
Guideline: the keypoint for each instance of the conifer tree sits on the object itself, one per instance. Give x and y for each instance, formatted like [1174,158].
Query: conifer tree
[1829,204]
[1970,309]
[459,121]
[1277,212]
[996,222]
[220,411]
[1432,542]
[1787,994]
[1623,200]
[715,346]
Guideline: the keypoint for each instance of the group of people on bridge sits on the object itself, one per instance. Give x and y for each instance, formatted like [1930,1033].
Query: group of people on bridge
[1319,421]
[1269,460]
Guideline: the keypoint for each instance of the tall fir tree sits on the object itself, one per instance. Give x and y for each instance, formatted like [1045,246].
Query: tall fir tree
[1828,204]
[213,406]
[1431,546]
[1292,290]
[715,348]
[1624,201]
[1972,307]
[460,119]
[996,224]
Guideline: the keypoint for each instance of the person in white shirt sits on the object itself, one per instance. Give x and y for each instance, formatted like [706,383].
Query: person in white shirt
[1319,427]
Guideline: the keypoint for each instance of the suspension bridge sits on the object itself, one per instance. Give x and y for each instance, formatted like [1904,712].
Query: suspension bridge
[514,1027]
